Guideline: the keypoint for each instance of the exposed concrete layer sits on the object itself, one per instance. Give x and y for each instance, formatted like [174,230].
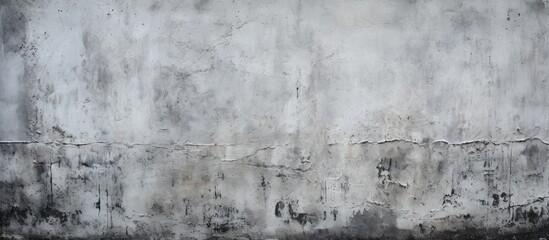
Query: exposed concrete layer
[273,119]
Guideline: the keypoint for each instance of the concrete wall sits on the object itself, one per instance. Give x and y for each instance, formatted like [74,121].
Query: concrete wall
[274,119]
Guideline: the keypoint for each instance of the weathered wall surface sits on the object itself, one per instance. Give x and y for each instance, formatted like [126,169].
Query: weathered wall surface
[274,119]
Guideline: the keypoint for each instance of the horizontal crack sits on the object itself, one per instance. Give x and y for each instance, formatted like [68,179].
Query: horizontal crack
[247,156]
[260,165]
[79,144]
[485,142]
[535,200]
[164,145]
[187,144]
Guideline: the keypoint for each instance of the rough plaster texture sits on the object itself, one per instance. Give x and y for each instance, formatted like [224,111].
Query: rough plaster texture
[274,119]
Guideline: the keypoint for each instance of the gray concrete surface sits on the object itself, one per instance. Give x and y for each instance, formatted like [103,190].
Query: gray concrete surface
[274,119]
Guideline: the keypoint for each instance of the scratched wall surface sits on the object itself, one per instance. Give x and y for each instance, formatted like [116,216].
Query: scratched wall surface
[274,119]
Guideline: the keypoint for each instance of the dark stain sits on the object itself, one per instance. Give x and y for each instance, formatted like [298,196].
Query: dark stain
[222,219]
[98,203]
[281,175]
[174,94]
[537,6]
[157,208]
[96,67]
[504,197]
[219,227]
[278,208]
[345,233]
[200,5]
[14,26]
[13,35]
[91,160]
[14,213]
[62,133]
[217,194]
[9,149]
[154,7]
[104,77]
[52,213]
[530,151]
[495,202]
[334,213]
[421,228]
[466,19]
[301,218]
[441,167]
[536,155]
[40,169]
[448,198]
[384,169]
[344,185]
[263,183]
[531,215]
[75,217]
[375,221]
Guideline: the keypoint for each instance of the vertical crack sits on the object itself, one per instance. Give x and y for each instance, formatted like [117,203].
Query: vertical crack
[51,185]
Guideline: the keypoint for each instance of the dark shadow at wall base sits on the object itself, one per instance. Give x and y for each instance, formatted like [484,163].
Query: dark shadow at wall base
[464,234]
